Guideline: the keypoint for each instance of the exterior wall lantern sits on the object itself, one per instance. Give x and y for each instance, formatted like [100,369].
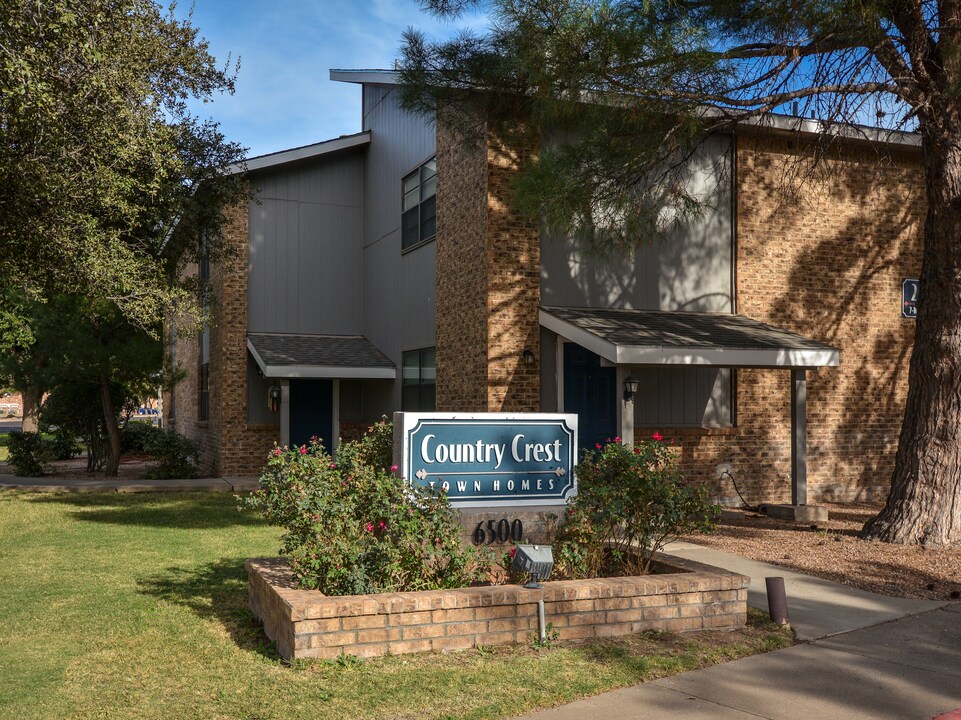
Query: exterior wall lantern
[631,384]
[529,357]
[273,398]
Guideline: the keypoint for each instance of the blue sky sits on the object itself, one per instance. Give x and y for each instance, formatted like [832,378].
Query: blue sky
[284,96]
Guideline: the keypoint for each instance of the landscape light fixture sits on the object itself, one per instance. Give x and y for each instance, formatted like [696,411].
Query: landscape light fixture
[529,357]
[631,384]
[537,560]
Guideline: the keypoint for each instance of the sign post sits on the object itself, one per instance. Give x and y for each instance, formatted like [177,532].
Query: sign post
[489,459]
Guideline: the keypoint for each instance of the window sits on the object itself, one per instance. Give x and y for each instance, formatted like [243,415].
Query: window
[419,220]
[419,385]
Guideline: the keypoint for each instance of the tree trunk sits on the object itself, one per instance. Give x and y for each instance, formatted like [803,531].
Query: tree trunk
[924,505]
[113,432]
[31,409]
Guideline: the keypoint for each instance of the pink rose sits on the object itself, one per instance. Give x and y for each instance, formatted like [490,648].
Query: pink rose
[393,468]
[303,449]
[277,452]
[369,527]
[382,525]
[657,437]
[617,439]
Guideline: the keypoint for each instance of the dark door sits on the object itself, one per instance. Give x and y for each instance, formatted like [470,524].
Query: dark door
[590,391]
[311,411]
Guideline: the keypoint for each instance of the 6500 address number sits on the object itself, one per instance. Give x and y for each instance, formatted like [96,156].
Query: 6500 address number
[500,531]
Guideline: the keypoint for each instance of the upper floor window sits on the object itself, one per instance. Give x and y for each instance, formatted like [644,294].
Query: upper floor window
[418,391]
[419,220]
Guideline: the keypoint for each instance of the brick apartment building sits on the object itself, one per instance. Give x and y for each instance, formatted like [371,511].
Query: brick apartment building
[385,271]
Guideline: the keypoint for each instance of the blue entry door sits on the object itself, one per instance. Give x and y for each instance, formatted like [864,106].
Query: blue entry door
[311,411]
[590,391]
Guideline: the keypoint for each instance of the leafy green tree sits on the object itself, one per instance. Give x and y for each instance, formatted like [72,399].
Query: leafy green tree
[625,87]
[92,360]
[100,157]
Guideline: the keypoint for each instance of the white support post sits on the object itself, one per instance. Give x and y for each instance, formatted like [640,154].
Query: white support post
[285,412]
[799,449]
[625,408]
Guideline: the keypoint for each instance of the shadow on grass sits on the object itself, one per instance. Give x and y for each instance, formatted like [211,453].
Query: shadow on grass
[169,510]
[215,591]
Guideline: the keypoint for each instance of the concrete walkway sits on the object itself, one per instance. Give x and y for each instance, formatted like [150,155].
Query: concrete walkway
[817,608]
[54,484]
[868,656]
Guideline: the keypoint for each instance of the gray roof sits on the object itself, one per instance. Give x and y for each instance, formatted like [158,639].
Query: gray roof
[654,337]
[293,355]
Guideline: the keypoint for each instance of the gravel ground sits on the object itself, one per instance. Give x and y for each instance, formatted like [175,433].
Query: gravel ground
[833,551]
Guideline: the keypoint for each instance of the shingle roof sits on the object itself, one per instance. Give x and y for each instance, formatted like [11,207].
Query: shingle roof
[295,355]
[698,338]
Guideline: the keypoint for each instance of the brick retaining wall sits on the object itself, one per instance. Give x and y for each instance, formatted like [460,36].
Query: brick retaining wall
[309,624]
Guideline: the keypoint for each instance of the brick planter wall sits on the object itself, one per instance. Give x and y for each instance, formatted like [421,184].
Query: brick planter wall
[309,624]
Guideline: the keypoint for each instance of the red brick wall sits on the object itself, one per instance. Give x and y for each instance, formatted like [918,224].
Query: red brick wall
[308,624]
[229,445]
[513,289]
[488,281]
[823,257]
[461,271]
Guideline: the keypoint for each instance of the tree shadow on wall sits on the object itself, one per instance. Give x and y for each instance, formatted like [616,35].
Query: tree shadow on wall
[216,591]
[860,216]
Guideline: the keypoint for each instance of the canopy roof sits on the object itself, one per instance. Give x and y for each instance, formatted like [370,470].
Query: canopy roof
[282,355]
[656,337]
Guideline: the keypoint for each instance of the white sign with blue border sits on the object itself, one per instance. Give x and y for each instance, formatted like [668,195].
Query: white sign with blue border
[489,459]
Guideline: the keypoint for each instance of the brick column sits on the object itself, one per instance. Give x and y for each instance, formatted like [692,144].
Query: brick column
[488,281]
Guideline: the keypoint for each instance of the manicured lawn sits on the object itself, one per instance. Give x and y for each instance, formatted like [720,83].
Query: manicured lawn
[134,606]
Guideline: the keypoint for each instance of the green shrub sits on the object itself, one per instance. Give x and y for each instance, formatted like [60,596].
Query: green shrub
[63,445]
[28,453]
[352,527]
[177,456]
[135,436]
[630,500]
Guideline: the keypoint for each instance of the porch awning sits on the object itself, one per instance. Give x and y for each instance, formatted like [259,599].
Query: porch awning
[654,337]
[281,355]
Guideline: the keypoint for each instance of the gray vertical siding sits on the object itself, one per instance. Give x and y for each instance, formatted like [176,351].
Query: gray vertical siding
[682,396]
[690,270]
[398,287]
[258,412]
[306,266]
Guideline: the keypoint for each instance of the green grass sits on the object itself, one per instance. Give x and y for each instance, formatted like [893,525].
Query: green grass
[4,453]
[134,606]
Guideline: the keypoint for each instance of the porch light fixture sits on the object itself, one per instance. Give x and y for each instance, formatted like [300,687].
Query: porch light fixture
[537,560]
[529,357]
[631,384]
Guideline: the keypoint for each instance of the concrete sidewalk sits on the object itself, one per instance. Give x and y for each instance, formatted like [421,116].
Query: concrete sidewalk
[817,608]
[870,657]
[54,484]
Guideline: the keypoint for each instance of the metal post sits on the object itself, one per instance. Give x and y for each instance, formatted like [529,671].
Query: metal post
[541,622]
[776,600]
[799,449]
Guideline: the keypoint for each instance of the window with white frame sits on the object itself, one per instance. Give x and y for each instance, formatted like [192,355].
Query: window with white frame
[419,205]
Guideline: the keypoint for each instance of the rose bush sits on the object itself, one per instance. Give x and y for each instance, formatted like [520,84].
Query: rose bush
[351,526]
[630,500]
